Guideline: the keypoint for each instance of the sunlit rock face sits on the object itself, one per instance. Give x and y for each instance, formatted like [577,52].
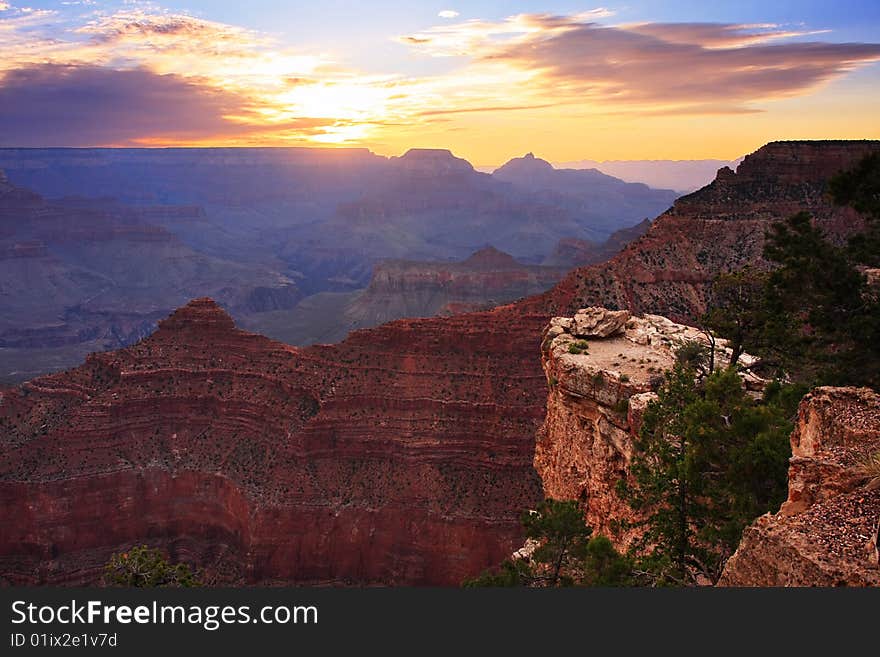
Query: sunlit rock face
[718,228]
[602,369]
[826,533]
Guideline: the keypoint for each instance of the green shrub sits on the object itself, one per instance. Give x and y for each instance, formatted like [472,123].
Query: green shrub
[144,567]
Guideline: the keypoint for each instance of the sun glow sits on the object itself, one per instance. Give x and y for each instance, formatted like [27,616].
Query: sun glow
[351,100]
[569,85]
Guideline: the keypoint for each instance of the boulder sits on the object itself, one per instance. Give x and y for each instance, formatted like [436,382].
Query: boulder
[596,322]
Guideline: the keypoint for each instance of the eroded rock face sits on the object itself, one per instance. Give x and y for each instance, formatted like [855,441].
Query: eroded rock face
[598,392]
[419,461]
[718,228]
[596,322]
[364,462]
[825,534]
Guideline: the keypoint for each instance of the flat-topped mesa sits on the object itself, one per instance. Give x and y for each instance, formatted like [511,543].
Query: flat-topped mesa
[602,367]
[782,177]
[437,161]
[199,314]
[826,533]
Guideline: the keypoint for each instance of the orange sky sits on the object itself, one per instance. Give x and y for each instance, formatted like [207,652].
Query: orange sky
[568,87]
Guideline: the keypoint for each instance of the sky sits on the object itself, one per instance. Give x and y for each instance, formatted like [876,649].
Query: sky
[489,80]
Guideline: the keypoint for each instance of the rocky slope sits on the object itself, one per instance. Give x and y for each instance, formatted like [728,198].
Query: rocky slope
[78,276]
[717,228]
[573,252]
[371,461]
[419,460]
[825,534]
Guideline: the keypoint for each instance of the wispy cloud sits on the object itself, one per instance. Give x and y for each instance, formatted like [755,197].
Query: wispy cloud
[247,87]
[649,67]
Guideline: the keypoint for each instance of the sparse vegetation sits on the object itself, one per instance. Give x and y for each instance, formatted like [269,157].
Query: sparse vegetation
[869,468]
[144,567]
[579,347]
[566,553]
[708,461]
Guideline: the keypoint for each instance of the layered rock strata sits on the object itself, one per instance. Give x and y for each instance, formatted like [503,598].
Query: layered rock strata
[826,533]
[365,462]
[419,460]
[602,368]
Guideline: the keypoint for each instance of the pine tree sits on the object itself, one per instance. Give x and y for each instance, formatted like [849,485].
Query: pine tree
[709,460]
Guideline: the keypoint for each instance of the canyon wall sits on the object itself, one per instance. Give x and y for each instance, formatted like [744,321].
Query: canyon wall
[366,462]
[401,455]
[826,533]
[718,228]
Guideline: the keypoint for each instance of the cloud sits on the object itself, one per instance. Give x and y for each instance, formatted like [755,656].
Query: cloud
[4,6]
[246,85]
[448,13]
[718,35]
[56,105]
[145,75]
[650,67]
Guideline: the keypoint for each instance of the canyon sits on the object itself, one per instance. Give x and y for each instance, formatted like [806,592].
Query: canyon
[408,288]
[402,455]
[96,245]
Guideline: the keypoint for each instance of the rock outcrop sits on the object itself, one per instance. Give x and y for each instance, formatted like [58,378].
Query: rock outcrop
[825,534]
[598,322]
[598,392]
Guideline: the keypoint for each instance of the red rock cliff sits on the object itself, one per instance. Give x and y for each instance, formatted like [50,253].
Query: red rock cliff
[371,461]
[602,368]
[402,455]
[825,534]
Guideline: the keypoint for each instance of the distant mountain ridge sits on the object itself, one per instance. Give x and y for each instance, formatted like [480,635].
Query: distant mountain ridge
[126,235]
[680,175]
